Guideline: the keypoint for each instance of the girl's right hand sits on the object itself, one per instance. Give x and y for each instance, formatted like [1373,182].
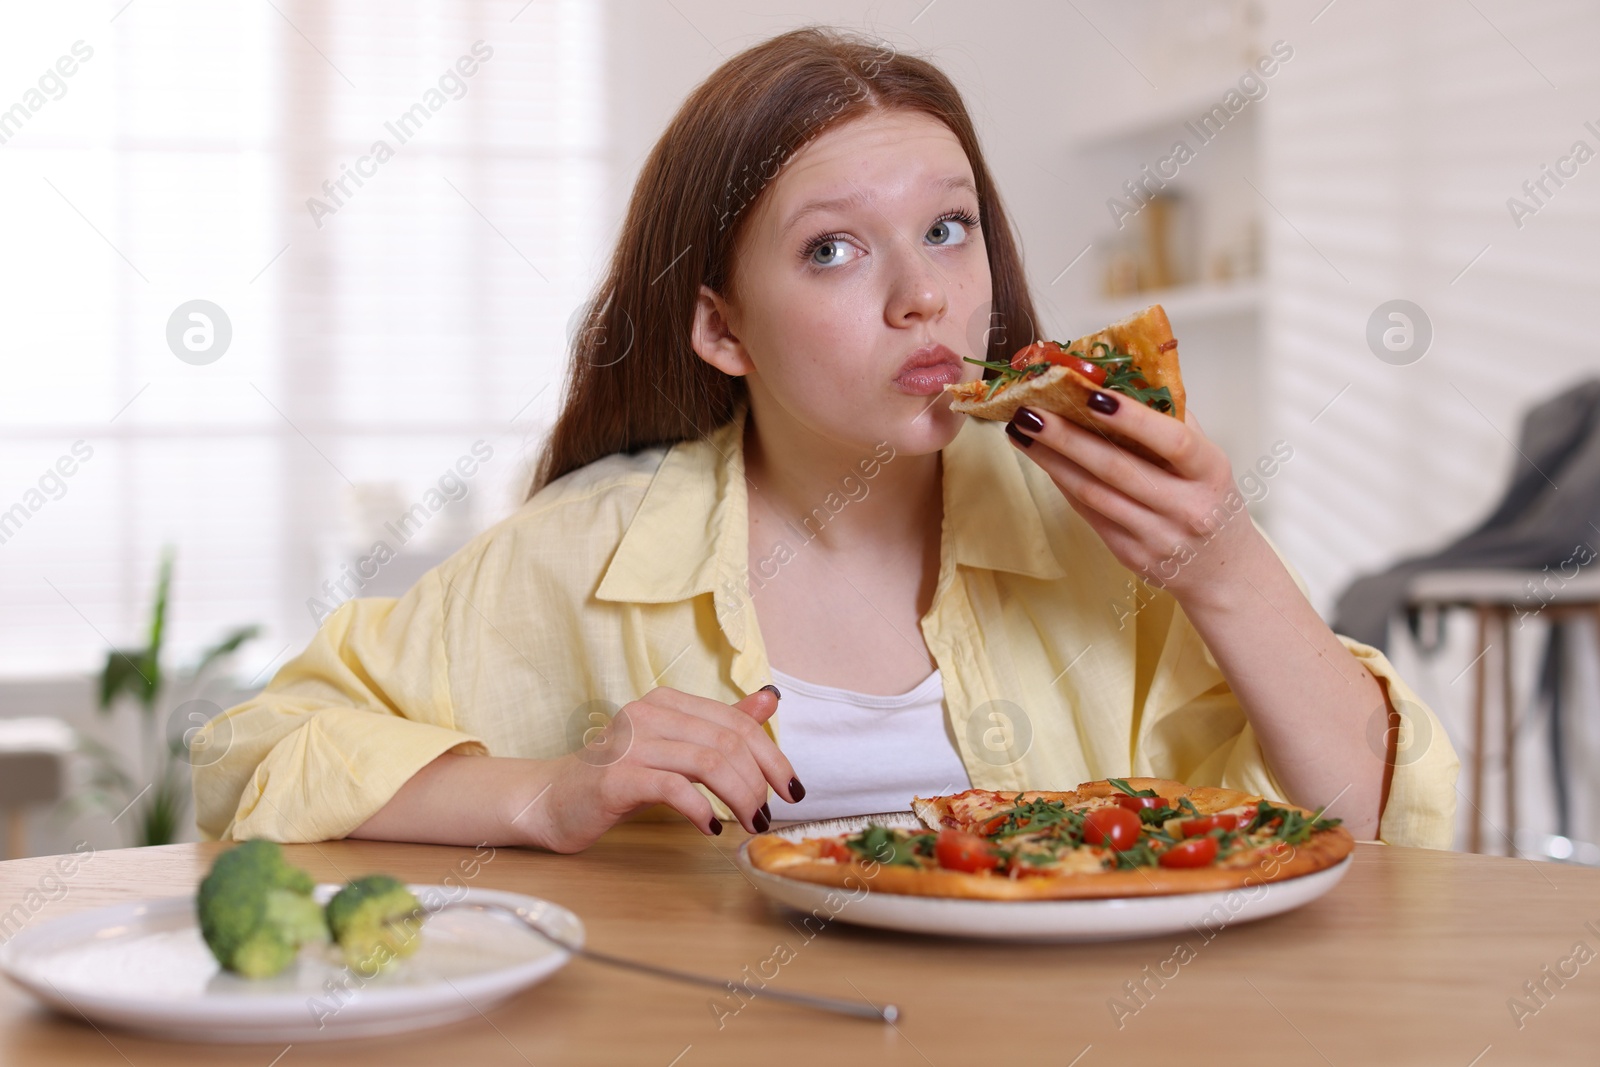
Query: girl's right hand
[652,752]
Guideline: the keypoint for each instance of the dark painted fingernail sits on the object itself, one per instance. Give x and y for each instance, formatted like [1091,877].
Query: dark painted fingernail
[769,687]
[1027,420]
[1104,403]
[766,810]
[1018,436]
[716,825]
[796,790]
[761,822]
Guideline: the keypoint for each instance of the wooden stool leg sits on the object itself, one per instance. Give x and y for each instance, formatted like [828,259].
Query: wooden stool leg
[1597,624]
[16,834]
[1508,702]
[1481,688]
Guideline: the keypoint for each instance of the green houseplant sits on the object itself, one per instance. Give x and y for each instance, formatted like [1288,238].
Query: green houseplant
[154,784]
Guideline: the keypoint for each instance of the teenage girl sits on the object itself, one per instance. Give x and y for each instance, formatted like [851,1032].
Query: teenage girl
[756,494]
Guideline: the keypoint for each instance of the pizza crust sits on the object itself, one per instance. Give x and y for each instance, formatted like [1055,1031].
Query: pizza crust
[1146,336]
[802,860]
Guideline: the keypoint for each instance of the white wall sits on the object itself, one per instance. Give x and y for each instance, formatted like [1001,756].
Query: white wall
[1397,138]
[1395,141]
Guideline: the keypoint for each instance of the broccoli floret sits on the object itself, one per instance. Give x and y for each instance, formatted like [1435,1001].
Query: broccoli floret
[376,921]
[256,910]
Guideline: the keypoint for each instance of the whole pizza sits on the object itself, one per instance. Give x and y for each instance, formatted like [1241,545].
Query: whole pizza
[1114,837]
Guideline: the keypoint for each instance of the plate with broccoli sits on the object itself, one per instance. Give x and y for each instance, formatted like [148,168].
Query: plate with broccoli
[262,953]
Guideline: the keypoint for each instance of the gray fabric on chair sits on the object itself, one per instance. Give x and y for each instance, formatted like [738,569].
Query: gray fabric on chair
[1535,524]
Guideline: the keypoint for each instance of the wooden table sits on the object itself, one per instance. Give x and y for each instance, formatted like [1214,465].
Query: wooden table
[1410,960]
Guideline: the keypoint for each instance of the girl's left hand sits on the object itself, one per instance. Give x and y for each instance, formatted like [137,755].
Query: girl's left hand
[1179,525]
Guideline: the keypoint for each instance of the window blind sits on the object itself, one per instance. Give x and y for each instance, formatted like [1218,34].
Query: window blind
[390,212]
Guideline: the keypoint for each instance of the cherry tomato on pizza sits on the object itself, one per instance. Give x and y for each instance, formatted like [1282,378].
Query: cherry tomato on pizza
[1142,803]
[958,850]
[1050,352]
[1195,852]
[1206,823]
[835,850]
[1117,827]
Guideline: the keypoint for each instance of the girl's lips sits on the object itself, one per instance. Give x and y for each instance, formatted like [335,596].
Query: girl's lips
[922,381]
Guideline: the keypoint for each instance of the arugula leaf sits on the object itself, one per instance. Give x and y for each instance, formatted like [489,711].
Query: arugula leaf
[1293,827]
[889,847]
[1159,815]
[1140,855]
[1008,373]
[1041,816]
[1228,841]
[1121,784]
[1122,376]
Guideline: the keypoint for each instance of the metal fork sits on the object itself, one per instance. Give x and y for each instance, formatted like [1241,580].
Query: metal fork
[889,1013]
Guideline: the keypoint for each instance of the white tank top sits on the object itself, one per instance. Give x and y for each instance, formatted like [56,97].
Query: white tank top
[860,753]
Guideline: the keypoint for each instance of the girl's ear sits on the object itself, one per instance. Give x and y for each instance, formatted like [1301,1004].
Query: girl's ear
[712,337]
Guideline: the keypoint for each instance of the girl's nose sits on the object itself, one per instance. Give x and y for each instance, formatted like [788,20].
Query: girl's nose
[919,287]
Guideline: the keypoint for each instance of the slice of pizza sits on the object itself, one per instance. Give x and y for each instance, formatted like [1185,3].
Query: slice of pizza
[976,810]
[1109,838]
[1135,358]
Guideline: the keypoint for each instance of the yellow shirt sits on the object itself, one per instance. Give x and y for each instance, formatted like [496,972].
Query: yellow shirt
[631,573]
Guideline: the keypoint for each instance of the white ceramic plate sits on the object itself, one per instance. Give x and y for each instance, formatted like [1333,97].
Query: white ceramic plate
[1030,920]
[143,966]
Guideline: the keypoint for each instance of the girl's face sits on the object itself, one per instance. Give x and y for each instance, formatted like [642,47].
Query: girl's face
[862,261]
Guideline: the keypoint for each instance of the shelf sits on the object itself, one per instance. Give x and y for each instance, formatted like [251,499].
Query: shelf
[1184,303]
[1166,115]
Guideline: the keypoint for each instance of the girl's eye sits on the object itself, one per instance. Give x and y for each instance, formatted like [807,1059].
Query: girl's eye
[826,251]
[952,229]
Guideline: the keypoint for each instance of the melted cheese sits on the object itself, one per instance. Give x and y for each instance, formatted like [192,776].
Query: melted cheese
[975,807]
[1073,861]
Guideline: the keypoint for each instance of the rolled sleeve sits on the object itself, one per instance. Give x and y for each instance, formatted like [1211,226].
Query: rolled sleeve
[1421,810]
[335,772]
[339,729]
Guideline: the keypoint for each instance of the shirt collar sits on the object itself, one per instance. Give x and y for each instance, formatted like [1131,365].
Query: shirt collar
[690,535]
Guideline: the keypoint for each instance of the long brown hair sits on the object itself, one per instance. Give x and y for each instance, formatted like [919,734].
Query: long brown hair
[634,380]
